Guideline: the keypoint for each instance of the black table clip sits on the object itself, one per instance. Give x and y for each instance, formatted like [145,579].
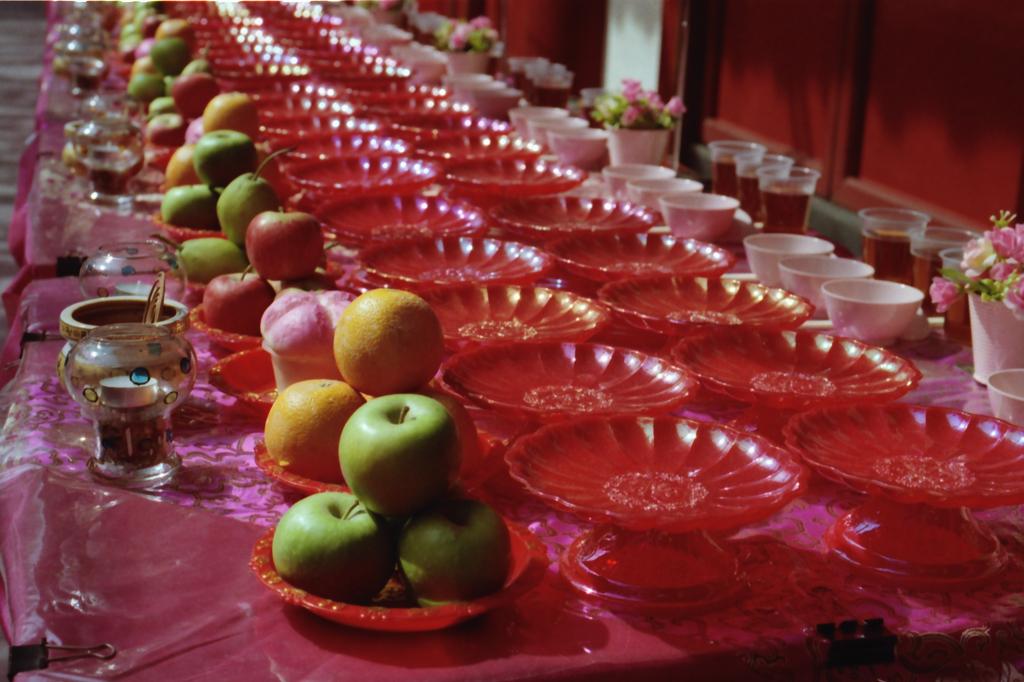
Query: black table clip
[37,656]
[852,644]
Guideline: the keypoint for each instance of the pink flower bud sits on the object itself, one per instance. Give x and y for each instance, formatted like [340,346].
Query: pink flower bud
[481,22]
[944,293]
[631,114]
[675,107]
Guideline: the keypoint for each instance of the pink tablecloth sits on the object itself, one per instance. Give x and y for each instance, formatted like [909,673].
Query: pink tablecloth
[167,582]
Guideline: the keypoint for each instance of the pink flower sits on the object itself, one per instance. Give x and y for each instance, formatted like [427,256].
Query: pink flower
[631,114]
[654,100]
[1004,241]
[460,37]
[675,107]
[978,257]
[1014,300]
[944,293]
[631,90]
[389,4]
[481,22]
[1002,271]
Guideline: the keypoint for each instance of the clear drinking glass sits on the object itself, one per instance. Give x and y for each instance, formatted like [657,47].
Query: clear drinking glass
[723,164]
[886,241]
[786,197]
[926,245]
[747,164]
[957,323]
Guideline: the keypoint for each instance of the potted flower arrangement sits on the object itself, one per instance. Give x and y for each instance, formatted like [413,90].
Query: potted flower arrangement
[638,123]
[468,44]
[993,278]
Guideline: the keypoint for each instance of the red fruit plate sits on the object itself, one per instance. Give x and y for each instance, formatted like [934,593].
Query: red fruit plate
[422,128]
[551,382]
[476,314]
[363,175]
[247,376]
[686,305]
[610,257]
[184,234]
[412,109]
[795,369]
[366,221]
[266,462]
[303,125]
[424,263]
[545,218]
[511,178]
[228,340]
[393,611]
[450,150]
[298,109]
[350,126]
[397,94]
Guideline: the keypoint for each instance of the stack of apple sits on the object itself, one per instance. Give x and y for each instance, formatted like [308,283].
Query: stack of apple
[400,455]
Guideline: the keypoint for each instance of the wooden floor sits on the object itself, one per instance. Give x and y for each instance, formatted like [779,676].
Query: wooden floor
[22,36]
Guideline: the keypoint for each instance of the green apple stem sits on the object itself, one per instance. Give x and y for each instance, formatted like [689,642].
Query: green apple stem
[162,238]
[256,175]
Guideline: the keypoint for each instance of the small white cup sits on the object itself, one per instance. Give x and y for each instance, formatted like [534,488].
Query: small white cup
[764,251]
[543,127]
[1006,395]
[871,310]
[648,192]
[618,175]
[804,275]
[520,116]
[495,102]
[695,215]
[585,148]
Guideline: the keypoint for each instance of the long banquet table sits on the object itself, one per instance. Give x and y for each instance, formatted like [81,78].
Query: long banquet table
[163,574]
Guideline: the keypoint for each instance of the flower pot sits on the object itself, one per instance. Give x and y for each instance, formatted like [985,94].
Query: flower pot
[637,146]
[996,336]
[468,62]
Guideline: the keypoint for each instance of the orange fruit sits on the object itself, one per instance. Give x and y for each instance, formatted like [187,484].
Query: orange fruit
[142,65]
[177,28]
[472,449]
[180,169]
[304,427]
[232,111]
[388,341]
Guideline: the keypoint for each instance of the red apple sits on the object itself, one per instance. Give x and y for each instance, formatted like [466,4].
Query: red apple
[167,130]
[284,246]
[150,24]
[192,92]
[235,303]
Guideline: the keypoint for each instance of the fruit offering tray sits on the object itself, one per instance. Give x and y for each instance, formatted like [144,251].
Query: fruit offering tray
[229,503]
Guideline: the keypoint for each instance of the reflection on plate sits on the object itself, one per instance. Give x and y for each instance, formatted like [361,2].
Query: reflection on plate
[393,611]
[247,376]
[271,468]
[232,342]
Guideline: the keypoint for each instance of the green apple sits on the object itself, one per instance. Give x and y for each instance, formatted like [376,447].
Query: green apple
[400,453]
[243,199]
[170,55]
[162,105]
[192,206]
[146,87]
[331,546]
[457,550]
[208,257]
[221,156]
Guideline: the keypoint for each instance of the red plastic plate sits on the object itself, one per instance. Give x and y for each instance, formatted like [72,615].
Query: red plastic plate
[510,178]
[452,150]
[247,376]
[610,257]
[685,305]
[455,260]
[363,175]
[232,342]
[380,219]
[546,218]
[477,314]
[551,382]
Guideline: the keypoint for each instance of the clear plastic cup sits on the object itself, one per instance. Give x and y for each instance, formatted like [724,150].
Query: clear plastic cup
[723,164]
[886,241]
[747,164]
[926,245]
[786,193]
[552,88]
[957,322]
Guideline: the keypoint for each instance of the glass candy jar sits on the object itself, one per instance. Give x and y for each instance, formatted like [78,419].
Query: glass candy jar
[111,151]
[129,378]
[130,269]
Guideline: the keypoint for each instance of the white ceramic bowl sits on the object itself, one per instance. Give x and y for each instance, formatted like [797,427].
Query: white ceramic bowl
[871,310]
[648,192]
[695,215]
[585,148]
[495,102]
[542,127]
[804,275]
[521,115]
[462,84]
[764,251]
[1006,395]
[618,175]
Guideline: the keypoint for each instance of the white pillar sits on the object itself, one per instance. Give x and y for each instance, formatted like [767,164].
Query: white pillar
[633,43]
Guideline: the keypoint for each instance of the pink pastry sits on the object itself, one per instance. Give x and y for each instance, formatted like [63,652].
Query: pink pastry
[298,332]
